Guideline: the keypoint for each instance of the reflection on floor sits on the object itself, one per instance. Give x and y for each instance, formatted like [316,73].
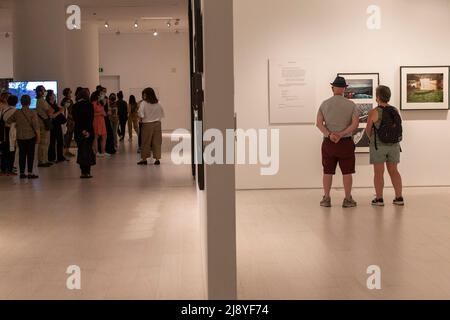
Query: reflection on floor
[133,231]
[289,248]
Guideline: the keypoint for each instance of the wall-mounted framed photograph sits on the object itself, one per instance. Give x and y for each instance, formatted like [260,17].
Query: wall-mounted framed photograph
[361,90]
[424,88]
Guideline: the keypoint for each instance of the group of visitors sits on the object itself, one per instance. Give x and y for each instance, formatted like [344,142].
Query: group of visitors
[337,119]
[95,121]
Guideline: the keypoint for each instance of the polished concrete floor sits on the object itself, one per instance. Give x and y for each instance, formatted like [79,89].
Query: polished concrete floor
[133,231]
[289,248]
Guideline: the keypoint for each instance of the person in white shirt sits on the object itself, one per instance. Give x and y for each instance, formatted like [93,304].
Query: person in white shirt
[151,113]
[9,137]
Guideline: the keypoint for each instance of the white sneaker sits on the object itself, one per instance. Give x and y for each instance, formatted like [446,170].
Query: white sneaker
[107,155]
[100,155]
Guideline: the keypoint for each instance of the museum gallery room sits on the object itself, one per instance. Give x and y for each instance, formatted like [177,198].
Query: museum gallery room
[253,229]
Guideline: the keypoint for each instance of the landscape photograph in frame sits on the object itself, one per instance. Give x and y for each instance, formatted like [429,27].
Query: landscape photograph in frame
[361,90]
[424,88]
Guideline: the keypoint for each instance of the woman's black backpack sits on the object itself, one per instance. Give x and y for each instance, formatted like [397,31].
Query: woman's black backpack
[391,129]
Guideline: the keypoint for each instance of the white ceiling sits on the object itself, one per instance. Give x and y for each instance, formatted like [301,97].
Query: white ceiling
[120,14]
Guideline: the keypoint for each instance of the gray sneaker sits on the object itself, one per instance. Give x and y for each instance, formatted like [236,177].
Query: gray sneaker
[349,203]
[326,202]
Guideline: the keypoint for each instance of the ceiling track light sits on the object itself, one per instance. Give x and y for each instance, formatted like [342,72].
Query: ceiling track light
[177,22]
[136,25]
[169,24]
[106,24]
[155,33]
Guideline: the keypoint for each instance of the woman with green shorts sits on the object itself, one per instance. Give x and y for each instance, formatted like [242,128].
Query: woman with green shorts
[383,154]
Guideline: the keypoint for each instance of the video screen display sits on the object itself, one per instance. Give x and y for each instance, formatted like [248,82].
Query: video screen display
[28,87]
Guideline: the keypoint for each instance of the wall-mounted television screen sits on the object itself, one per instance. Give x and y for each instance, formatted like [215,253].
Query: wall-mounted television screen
[28,87]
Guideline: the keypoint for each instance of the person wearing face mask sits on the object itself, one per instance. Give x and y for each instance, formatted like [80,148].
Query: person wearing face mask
[99,126]
[44,113]
[67,104]
[113,113]
[84,119]
[110,147]
[56,145]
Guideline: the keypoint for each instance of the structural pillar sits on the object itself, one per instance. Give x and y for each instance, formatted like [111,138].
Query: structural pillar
[220,194]
[82,57]
[39,40]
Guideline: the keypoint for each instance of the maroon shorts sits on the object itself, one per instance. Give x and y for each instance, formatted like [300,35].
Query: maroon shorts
[342,153]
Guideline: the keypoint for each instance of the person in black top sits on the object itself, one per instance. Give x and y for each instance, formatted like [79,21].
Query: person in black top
[56,147]
[83,116]
[67,104]
[122,105]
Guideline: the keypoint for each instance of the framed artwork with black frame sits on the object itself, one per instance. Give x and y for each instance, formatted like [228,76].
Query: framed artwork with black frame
[424,88]
[361,90]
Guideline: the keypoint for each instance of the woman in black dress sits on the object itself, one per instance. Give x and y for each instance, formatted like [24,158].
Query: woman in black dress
[104,101]
[83,116]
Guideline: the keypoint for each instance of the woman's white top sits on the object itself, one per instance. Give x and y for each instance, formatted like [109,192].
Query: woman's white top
[7,112]
[150,112]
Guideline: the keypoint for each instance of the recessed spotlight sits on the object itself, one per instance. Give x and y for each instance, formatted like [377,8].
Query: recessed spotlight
[106,24]
[155,33]
[136,25]
[169,24]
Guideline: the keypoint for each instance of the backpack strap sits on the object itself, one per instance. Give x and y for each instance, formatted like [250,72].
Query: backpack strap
[375,134]
[376,130]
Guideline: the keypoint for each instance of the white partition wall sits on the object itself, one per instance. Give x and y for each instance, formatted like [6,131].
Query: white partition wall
[218,199]
[335,35]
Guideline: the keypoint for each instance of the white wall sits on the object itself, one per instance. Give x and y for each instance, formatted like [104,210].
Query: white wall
[6,57]
[161,62]
[334,34]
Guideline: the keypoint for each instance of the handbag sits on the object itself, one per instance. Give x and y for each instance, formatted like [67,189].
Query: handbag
[60,120]
[29,122]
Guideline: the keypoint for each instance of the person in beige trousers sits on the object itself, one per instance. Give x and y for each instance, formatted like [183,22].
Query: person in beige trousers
[151,113]
[44,113]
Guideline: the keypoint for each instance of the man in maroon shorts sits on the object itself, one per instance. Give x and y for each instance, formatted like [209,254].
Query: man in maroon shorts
[337,119]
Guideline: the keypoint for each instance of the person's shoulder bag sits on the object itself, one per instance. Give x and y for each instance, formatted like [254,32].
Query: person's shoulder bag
[30,123]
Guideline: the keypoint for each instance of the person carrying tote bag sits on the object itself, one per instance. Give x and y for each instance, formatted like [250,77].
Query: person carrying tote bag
[28,135]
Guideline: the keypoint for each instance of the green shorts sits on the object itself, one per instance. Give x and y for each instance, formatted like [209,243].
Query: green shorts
[385,154]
